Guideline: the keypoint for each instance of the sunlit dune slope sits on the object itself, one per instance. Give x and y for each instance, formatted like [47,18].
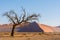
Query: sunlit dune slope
[46,28]
[56,29]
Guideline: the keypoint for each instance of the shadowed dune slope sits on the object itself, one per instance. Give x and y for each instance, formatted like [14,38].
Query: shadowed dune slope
[32,27]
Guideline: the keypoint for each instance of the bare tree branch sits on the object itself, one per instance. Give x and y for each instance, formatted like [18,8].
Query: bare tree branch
[10,18]
[32,17]
[24,15]
[16,17]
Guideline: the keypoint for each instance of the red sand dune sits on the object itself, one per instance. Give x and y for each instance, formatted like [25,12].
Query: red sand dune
[44,27]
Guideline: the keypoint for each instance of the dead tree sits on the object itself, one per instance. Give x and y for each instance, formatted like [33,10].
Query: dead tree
[16,20]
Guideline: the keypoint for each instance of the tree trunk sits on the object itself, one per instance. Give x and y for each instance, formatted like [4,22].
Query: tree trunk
[12,32]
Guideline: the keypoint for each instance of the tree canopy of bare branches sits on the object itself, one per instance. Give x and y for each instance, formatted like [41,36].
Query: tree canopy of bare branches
[16,20]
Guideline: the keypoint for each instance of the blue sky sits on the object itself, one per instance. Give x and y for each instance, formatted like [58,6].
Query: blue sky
[49,9]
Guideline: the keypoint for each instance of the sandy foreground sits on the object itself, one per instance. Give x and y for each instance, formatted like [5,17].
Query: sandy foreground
[29,36]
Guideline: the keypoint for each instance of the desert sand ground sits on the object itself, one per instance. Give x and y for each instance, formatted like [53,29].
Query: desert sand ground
[29,36]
